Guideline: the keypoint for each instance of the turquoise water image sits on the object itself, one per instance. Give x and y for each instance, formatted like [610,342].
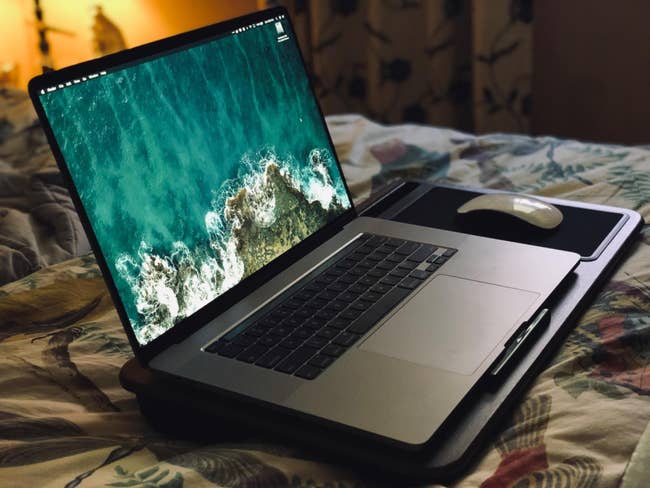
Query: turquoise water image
[197,168]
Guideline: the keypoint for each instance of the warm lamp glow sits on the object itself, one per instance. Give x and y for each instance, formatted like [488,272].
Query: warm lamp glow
[140,21]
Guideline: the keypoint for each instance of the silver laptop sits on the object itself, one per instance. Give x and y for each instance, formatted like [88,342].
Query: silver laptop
[206,179]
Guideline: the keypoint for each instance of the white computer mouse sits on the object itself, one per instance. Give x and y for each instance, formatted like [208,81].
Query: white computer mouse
[529,209]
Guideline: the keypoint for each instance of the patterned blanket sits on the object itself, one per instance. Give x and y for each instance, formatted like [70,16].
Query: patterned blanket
[38,223]
[65,420]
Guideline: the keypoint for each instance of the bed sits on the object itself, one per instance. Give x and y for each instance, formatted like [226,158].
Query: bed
[66,421]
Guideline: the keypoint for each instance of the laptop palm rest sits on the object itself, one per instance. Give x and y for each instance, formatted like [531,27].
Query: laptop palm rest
[451,324]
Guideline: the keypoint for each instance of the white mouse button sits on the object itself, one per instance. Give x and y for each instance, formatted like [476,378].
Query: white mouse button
[529,209]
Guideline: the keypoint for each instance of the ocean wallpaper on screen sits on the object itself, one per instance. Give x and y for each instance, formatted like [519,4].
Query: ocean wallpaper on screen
[197,168]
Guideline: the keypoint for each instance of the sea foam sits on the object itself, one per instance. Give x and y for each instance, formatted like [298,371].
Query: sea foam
[169,286]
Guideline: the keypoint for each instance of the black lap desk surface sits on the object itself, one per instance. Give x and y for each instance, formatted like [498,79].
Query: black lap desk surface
[182,409]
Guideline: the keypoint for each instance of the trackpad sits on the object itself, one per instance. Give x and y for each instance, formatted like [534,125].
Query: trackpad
[452,324]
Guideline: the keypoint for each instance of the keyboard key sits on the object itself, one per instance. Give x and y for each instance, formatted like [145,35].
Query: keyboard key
[325,279]
[312,288]
[350,314]
[326,314]
[389,280]
[365,249]
[294,360]
[393,242]
[291,342]
[367,281]
[281,313]
[410,283]
[280,331]
[357,271]
[399,272]
[253,353]
[335,271]
[423,253]
[371,296]
[273,357]
[385,265]
[339,323]
[345,339]
[358,256]
[293,322]
[407,248]
[293,304]
[328,333]
[341,269]
[308,372]
[317,342]
[348,279]
[361,305]
[441,260]
[407,265]
[315,323]
[267,322]
[303,313]
[255,331]
[321,361]
[268,341]
[361,326]
[304,295]
[395,258]
[433,268]
[327,295]
[298,337]
[229,350]
[303,333]
[357,288]
[336,306]
[333,350]
[381,288]
[347,297]
[419,274]
[244,340]
[318,302]
[337,287]
[383,251]
[376,273]
[376,241]
[449,252]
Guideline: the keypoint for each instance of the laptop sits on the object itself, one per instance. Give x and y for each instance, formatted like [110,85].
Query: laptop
[205,177]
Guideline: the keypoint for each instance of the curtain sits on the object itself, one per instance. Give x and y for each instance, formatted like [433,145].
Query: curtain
[464,64]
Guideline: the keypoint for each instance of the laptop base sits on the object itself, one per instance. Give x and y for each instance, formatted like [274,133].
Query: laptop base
[204,415]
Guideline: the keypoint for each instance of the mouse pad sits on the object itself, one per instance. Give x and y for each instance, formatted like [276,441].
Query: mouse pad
[581,231]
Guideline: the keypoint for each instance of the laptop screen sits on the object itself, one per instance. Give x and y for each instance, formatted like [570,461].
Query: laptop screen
[197,167]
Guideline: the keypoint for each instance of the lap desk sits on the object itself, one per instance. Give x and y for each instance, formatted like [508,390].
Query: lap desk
[599,234]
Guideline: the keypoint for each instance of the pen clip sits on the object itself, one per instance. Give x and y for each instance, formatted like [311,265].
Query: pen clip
[519,339]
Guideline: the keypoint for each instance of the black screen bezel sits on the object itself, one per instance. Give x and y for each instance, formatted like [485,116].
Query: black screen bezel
[189,325]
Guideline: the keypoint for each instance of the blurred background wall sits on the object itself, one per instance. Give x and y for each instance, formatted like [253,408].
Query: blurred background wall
[70,22]
[570,68]
[591,76]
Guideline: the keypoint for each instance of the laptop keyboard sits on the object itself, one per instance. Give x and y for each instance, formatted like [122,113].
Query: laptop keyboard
[314,323]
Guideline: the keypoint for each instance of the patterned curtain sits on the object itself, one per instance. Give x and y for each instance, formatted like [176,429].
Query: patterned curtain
[464,64]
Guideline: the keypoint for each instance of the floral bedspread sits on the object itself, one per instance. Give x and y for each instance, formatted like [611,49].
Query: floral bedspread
[65,420]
